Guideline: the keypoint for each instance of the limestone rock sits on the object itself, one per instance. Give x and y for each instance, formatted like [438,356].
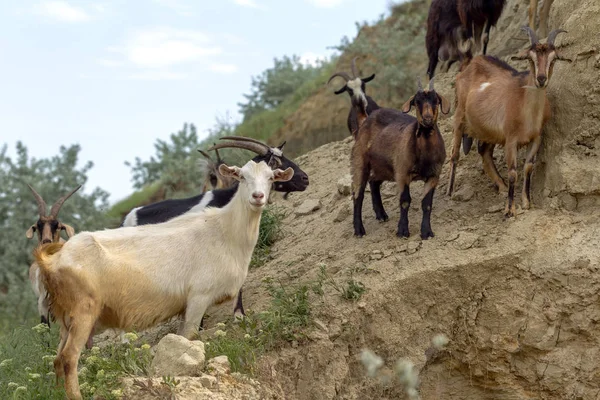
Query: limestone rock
[219,365]
[308,206]
[177,356]
[464,193]
[344,185]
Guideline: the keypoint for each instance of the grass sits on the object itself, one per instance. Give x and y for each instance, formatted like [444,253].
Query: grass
[270,230]
[27,372]
[284,321]
[350,290]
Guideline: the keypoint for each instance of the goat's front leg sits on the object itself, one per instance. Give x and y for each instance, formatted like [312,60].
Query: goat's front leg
[510,152]
[426,206]
[404,185]
[527,170]
[196,307]
[359,184]
[456,140]
[380,213]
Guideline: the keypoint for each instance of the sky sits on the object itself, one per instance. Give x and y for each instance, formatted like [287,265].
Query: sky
[114,76]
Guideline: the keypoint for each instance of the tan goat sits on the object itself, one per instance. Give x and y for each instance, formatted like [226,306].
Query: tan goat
[500,105]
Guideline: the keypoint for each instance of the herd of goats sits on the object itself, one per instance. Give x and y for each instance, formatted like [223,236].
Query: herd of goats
[180,256]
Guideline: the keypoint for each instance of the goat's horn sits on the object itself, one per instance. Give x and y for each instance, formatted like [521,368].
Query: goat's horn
[219,161]
[245,139]
[553,34]
[56,207]
[205,154]
[340,74]
[420,86]
[257,148]
[431,84]
[41,203]
[353,67]
[532,36]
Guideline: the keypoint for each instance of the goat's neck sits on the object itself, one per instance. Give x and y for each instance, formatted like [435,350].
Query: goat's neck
[241,223]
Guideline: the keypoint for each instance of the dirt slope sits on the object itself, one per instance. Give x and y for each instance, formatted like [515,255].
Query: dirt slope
[518,299]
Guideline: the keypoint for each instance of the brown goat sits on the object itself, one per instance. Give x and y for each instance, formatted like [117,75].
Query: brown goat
[213,178]
[500,105]
[48,228]
[394,146]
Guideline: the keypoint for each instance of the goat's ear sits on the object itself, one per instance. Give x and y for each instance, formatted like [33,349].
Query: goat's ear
[233,172]
[368,79]
[342,90]
[408,105]
[67,228]
[283,176]
[524,55]
[445,104]
[30,231]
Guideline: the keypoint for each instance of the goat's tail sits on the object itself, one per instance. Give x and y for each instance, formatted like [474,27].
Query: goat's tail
[43,255]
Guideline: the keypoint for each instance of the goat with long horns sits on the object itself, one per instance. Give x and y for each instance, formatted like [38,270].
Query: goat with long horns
[355,86]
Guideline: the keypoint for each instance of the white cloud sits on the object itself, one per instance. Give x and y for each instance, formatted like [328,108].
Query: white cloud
[249,3]
[326,3]
[159,75]
[61,11]
[165,47]
[176,6]
[224,68]
[110,63]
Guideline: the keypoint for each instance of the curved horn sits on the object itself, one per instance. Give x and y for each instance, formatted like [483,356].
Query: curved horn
[353,67]
[258,149]
[205,154]
[245,139]
[533,39]
[340,74]
[219,161]
[553,34]
[420,86]
[56,207]
[431,84]
[40,202]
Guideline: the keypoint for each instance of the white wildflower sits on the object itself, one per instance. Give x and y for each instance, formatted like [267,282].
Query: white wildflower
[371,361]
[6,363]
[95,350]
[221,325]
[219,333]
[145,346]
[440,341]
[34,376]
[131,336]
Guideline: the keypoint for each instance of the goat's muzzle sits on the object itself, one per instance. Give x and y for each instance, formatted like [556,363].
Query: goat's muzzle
[542,80]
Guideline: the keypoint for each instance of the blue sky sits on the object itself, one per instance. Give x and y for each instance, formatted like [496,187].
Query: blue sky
[116,75]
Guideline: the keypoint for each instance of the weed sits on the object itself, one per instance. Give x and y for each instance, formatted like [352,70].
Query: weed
[284,321]
[270,229]
[352,290]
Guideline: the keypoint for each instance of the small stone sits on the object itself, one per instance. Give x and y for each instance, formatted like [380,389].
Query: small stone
[344,185]
[376,255]
[209,381]
[466,240]
[321,325]
[342,213]
[387,253]
[361,305]
[177,356]
[464,193]
[294,344]
[412,247]
[308,206]
[453,236]
[219,365]
[494,209]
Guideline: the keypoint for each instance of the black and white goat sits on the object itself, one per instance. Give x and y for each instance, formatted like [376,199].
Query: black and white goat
[168,209]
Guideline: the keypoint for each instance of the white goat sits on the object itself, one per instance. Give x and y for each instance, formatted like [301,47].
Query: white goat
[136,277]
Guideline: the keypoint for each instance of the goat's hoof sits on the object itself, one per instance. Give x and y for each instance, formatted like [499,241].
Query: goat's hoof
[383,218]
[360,231]
[426,235]
[403,233]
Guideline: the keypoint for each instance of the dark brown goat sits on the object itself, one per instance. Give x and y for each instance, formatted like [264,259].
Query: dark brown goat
[355,86]
[452,26]
[394,146]
[48,226]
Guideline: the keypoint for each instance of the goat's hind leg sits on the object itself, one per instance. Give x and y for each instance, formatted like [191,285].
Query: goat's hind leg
[456,141]
[527,171]
[79,331]
[380,213]
[510,152]
[360,174]
[59,370]
[486,151]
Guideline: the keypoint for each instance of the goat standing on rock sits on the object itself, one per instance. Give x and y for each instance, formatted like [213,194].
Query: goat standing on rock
[500,105]
[394,146]
[137,277]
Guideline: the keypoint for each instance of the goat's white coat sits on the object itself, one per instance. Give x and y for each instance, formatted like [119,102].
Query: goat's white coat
[131,218]
[187,263]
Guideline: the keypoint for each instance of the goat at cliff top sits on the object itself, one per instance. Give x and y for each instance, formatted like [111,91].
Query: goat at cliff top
[497,104]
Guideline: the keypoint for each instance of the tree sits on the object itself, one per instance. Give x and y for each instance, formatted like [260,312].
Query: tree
[274,85]
[52,178]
